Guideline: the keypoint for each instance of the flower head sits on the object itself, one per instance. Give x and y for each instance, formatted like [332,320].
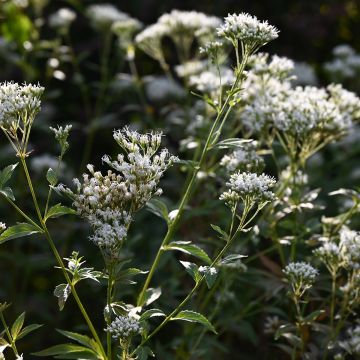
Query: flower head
[149,41]
[61,135]
[62,19]
[123,327]
[19,104]
[301,276]
[248,30]
[249,187]
[243,159]
[103,16]
[2,227]
[108,201]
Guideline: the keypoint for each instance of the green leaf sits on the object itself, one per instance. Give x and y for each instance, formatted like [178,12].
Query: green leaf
[18,230]
[6,174]
[231,143]
[210,274]
[188,248]
[17,326]
[62,292]
[221,232]
[28,329]
[286,328]
[313,316]
[7,192]
[293,340]
[192,316]
[151,313]
[151,295]
[158,208]
[81,339]
[59,210]
[68,351]
[191,269]
[143,352]
[124,276]
[230,259]
[51,177]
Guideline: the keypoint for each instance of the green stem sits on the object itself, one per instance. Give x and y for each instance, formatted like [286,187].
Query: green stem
[59,259]
[332,306]
[185,198]
[200,281]
[50,188]
[109,299]
[12,342]
[23,214]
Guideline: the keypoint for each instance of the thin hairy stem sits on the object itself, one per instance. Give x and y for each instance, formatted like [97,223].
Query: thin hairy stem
[59,259]
[185,198]
[12,342]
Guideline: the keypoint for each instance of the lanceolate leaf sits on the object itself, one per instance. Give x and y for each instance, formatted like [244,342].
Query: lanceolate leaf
[69,351]
[59,210]
[6,191]
[191,269]
[51,177]
[62,292]
[151,313]
[17,326]
[158,208]
[151,295]
[5,174]
[28,329]
[81,339]
[16,231]
[192,316]
[143,353]
[188,248]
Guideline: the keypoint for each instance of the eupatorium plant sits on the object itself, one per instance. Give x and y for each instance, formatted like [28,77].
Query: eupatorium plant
[241,224]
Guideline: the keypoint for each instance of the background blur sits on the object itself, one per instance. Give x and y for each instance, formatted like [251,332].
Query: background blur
[309,30]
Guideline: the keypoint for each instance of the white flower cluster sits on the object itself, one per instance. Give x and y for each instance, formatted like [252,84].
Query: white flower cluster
[179,22]
[180,26]
[304,74]
[108,201]
[309,109]
[345,65]
[352,343]
[124,29]
[344,254]
[249,186]
[61,135]
[103,16]
[301,276]
[347,101]
[329,254]
[247,29]
[2,227]
[160,88]
[210,81]
[190,68]
[149,40]
[244,159]
[123,327]
[350,247]
[299,178]
[279,67]
[265,87]
[211,48]
[62,19]
[18,103]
